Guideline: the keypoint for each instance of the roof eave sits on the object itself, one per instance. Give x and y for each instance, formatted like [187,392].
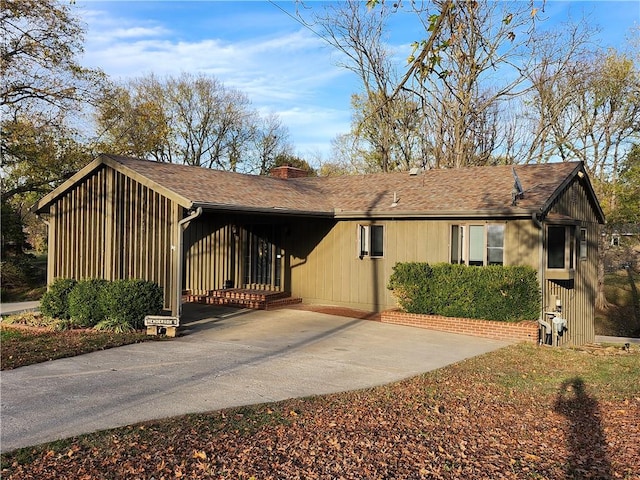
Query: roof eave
[544,210]
[437,214]
[217,207]
[41,205]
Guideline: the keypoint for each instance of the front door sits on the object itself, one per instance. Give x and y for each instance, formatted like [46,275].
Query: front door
[262,257]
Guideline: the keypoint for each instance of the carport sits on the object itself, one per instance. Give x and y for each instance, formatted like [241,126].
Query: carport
[226,357]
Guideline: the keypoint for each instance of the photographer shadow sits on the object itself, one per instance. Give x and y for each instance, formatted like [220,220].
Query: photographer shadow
[586,441]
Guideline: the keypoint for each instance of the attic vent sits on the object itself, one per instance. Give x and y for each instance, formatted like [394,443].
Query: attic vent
[414,171]
[517,192]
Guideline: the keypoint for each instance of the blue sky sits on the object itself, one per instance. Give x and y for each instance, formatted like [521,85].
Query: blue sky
[254,47]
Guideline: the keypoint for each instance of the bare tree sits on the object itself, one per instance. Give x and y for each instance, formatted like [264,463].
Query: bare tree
[192,119]
[592,114]
[474,71]
[446,111]
[270,142]
[383,123]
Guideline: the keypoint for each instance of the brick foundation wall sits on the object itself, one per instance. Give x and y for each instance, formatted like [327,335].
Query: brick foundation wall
[525,331]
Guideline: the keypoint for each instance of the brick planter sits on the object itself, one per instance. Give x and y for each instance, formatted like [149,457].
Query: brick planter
[525,331]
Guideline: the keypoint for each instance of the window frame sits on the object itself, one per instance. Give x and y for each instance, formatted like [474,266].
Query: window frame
[366,240]
[584,244]
[460,243]
[569,250]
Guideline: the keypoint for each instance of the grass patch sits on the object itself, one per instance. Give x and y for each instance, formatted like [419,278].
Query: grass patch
[493,416]
[621,318]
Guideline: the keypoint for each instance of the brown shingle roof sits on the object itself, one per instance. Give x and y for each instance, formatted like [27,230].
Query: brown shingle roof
[461,191]
[467,191]
[203,186]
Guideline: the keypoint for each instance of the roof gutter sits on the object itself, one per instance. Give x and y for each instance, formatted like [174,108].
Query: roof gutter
[182,225]
[261,210]
[535,218]
[434,214]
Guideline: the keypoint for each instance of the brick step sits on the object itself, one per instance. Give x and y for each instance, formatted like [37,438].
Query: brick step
[244,294]
[268,302]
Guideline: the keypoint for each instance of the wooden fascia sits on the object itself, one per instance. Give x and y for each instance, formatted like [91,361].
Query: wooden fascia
[41,205]
[582,177]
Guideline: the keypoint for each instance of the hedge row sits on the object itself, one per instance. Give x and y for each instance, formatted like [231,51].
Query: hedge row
[495,292]
[118,305]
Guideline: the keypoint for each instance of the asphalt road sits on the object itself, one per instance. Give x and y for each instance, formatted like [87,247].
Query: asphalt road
[223,358]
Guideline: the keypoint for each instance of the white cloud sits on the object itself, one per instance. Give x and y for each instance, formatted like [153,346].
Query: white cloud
[288,72]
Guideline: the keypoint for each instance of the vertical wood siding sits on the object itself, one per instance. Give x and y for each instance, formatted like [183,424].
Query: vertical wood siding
[110,226]
[326,268]
[212,254]
[577,296]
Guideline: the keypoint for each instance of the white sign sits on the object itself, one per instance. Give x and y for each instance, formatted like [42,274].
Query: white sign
[161,321]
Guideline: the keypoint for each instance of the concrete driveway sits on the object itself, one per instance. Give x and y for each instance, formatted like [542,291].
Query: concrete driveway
[224,358]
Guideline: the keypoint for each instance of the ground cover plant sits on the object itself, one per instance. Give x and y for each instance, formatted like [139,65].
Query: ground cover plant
[30,340]
[523,412]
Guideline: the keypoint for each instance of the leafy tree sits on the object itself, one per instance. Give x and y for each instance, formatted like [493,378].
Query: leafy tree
[37,155]
[43,84]
[591,113]
[293,161]
[13,237]
[41,42]
[42,90]
[627,209]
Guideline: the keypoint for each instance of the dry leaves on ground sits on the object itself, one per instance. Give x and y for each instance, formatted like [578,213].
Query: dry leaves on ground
[522,412]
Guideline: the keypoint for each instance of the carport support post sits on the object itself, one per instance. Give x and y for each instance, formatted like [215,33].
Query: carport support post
[182,226]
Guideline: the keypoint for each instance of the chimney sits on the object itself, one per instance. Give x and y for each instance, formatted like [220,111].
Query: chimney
[287,171]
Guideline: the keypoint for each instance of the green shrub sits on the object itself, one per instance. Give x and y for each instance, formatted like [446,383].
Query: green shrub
[55,301]
[85,304]
[496,292]
[131,300]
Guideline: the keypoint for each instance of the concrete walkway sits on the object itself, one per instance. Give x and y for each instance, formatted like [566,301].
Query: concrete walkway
[225,358]
[18,307]
[616,340]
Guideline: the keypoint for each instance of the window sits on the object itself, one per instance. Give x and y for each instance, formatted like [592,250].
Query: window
[371,241]
[583,244]
[456,244]
[556,246]
[495,244]
[561,251]
[615,240]
[477,244]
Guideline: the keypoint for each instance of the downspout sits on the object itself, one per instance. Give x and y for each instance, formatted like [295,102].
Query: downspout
[542,321]
[182,224]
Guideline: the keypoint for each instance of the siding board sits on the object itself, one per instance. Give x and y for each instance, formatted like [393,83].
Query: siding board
[110,227]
